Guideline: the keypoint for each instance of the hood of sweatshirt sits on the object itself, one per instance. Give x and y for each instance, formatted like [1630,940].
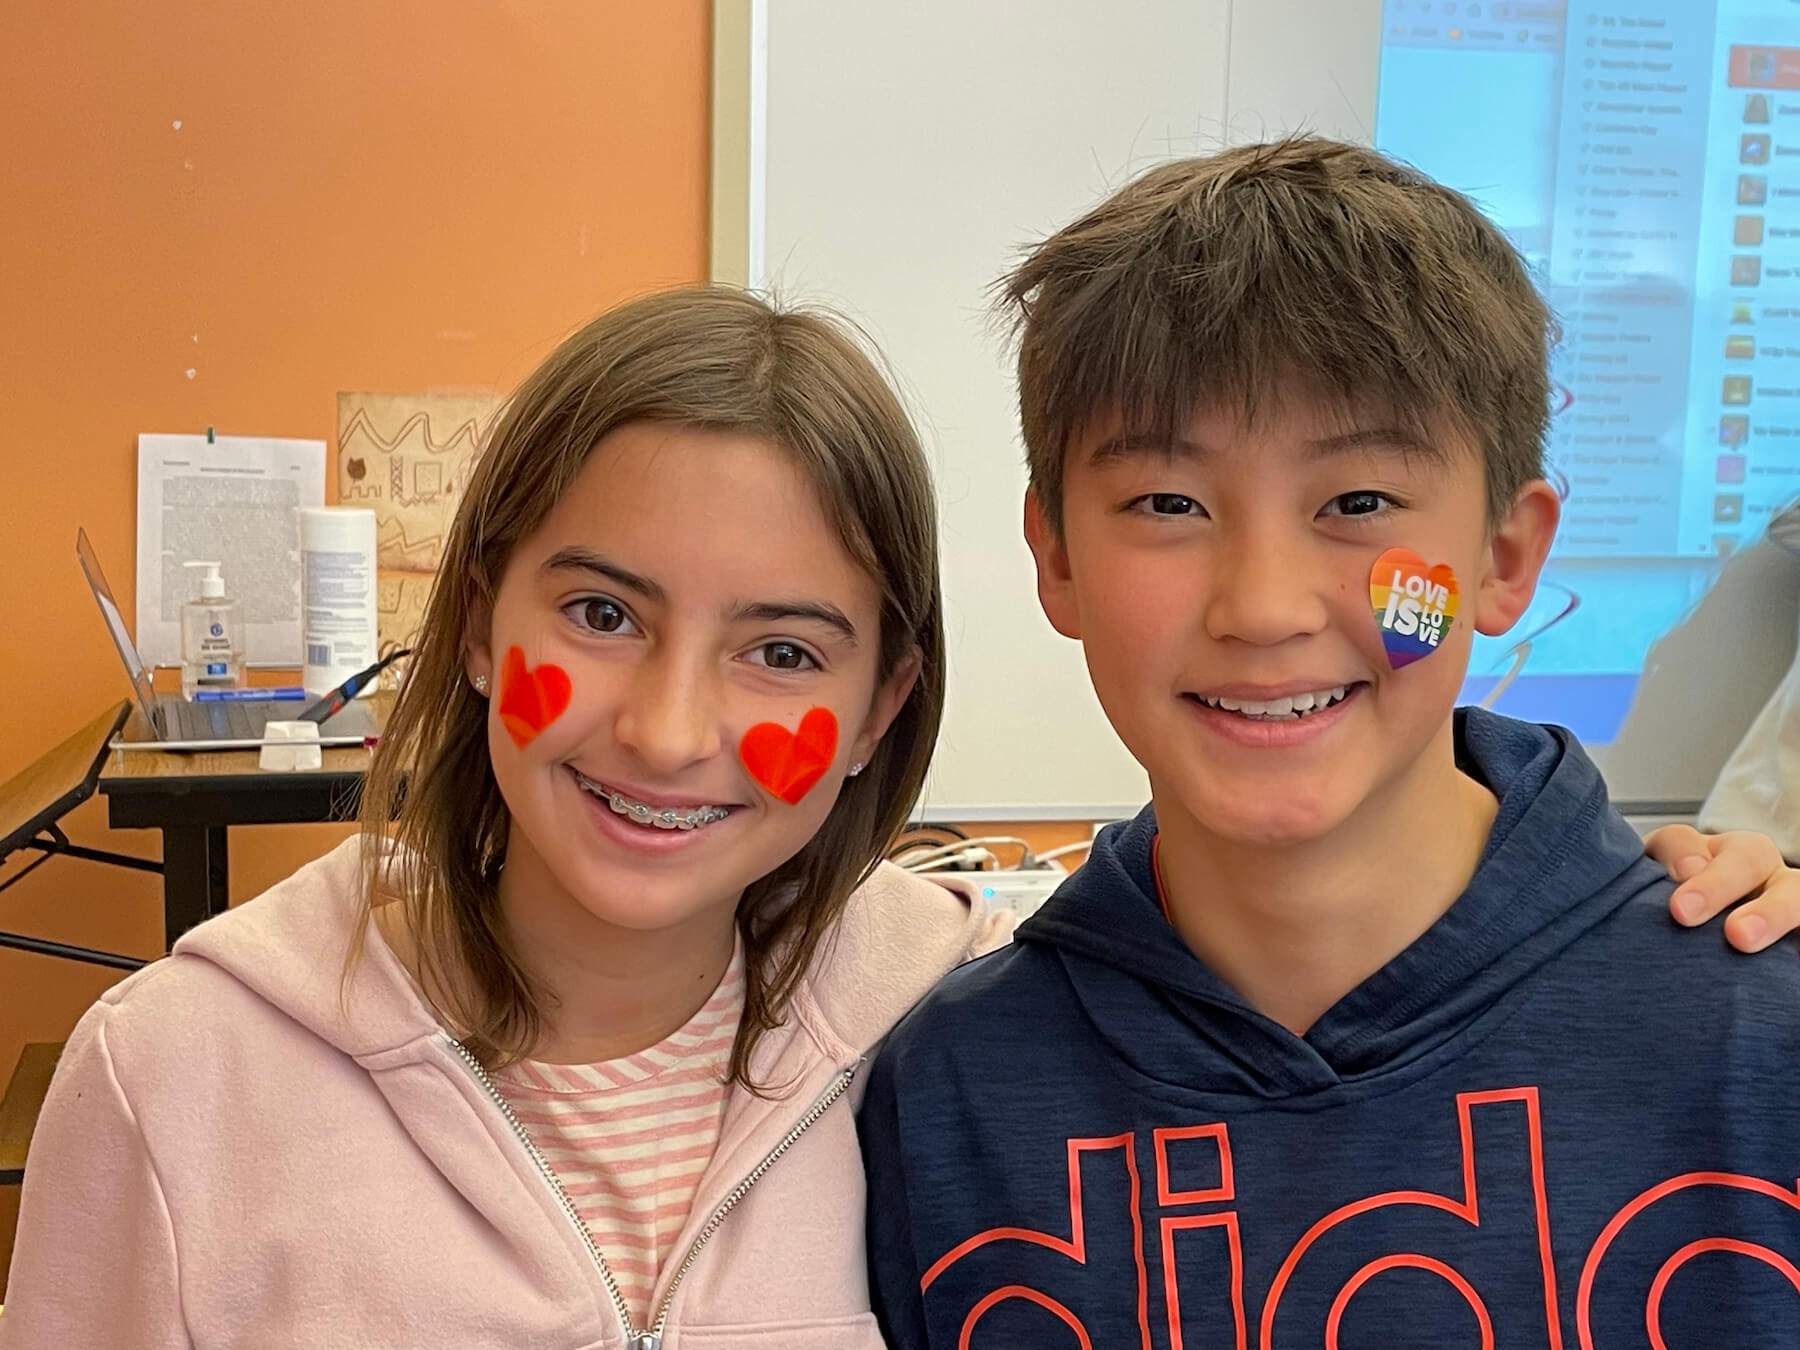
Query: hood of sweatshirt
[898,935]
[1558,861]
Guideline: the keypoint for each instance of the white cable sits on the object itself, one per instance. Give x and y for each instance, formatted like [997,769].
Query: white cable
[921,852]
[980,857]
[957,845]
[1080,846]
[912,859]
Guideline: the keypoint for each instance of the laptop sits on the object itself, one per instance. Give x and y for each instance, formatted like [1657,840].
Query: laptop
[176,724]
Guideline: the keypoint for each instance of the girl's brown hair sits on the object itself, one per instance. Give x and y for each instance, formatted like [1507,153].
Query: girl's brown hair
[716,359]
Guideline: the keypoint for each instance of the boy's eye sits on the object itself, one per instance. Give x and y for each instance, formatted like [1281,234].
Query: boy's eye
[602,615]
[784,656]
[1168,504]
[1358,503]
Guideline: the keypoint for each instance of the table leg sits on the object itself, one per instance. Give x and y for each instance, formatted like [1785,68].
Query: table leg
[196,877]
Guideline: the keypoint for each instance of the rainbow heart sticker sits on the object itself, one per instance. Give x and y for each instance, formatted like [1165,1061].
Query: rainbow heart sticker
[1414,604]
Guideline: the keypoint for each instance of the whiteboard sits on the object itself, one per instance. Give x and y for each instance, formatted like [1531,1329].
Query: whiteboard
[898,159]
[909,152]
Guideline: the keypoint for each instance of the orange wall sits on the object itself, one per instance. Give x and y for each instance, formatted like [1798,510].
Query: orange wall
[389,196]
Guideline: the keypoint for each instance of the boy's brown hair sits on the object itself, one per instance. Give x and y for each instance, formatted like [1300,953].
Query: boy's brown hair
[1303,262]
[711,358]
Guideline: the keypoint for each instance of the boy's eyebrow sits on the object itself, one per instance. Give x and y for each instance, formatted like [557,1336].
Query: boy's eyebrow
[583,560]
[1142,444]
[774,611]
[1394,439]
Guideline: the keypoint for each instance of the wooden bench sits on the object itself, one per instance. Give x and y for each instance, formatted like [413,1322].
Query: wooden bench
[20,1106]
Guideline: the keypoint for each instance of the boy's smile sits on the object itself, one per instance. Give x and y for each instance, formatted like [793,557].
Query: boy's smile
[1220,587]
[1277,715]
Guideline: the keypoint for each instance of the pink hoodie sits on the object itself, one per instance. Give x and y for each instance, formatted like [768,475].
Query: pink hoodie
[234,1155]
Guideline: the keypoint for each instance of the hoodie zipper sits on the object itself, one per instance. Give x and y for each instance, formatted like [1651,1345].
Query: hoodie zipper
[841,1085]
[651,1339]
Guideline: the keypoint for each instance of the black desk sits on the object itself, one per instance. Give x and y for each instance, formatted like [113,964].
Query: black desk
[194,799]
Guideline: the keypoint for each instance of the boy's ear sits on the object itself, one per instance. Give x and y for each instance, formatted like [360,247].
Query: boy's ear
[1055,582]
[1516,553]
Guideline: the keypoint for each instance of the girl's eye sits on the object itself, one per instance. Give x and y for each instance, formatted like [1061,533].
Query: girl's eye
[603,616]
[784,656]
[1168,504]
[1358,504]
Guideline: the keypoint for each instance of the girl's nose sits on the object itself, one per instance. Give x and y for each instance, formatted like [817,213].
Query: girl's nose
[671,717]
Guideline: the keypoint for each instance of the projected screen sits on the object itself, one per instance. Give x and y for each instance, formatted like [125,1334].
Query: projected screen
[1645,158]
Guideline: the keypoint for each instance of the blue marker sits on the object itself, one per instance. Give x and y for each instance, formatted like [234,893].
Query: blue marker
[291,694]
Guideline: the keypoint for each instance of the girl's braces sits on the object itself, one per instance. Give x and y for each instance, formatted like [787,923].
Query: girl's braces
[667,818]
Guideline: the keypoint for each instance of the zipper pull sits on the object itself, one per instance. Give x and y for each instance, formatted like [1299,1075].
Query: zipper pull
[645,1340]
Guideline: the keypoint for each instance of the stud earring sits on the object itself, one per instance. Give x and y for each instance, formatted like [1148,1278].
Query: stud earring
[481,685]
[856,769]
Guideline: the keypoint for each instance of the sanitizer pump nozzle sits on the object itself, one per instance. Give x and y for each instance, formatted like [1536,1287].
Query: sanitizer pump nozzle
[212,636]
[212,585]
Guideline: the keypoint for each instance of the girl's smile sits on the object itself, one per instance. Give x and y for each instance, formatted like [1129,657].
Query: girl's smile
[645,834]
[651,809]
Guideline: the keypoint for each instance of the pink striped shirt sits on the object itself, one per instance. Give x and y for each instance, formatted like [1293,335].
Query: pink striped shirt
[629,1138]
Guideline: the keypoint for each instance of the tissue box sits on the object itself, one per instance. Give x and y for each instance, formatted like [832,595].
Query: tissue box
[290,746]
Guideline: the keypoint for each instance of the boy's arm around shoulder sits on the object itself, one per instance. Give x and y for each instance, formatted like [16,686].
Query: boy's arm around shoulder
[94,1262]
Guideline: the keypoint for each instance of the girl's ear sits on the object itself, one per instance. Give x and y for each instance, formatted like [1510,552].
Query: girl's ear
[478,657]
[889,699]
[479,666]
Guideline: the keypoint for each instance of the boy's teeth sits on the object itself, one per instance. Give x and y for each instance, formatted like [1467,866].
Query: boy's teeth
[1290,707]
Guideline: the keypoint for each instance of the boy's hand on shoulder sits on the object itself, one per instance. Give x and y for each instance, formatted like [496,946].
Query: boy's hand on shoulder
[1718,870]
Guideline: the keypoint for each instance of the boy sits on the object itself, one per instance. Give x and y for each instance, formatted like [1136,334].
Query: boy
[1367,1033]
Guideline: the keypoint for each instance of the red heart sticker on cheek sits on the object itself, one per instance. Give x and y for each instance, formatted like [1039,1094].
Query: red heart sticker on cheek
[530,700]
[789,763]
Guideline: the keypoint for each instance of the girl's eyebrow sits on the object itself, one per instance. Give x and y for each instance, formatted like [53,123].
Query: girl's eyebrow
[774,611]
[761,611]
[583,560]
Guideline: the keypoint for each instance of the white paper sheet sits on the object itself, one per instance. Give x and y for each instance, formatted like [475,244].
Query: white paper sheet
[233,499]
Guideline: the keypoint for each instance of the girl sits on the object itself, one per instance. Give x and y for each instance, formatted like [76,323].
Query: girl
[558,1060]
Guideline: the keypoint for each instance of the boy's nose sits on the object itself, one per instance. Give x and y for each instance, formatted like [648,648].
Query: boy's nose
[671,718]
[1263,594]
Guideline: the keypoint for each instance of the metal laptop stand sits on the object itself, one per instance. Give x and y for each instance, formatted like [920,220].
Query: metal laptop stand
[31,804]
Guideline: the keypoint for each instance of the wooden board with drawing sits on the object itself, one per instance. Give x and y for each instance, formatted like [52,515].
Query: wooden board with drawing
[408,456]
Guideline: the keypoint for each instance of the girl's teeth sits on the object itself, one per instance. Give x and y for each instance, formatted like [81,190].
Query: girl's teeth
[661,818]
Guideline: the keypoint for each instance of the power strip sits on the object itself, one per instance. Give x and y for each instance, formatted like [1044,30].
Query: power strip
[1020,891]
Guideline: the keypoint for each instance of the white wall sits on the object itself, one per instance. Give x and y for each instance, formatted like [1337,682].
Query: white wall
[911,150]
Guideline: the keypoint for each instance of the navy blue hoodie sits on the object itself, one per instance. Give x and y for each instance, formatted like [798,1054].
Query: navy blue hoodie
[1553,1121]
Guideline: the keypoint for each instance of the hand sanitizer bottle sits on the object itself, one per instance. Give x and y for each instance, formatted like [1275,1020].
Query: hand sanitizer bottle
[212,636]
